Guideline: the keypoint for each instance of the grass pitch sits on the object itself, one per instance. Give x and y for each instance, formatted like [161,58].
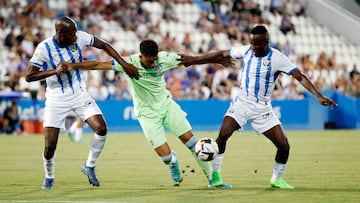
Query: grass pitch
[324,166]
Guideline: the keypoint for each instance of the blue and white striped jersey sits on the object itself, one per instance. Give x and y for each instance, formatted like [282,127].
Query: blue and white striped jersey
[48,54]
[259,74]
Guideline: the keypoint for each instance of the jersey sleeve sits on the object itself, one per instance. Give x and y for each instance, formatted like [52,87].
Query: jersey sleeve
[117,67]
[239,52]
[85,39]
[284,63]
[170,60]
[38,58]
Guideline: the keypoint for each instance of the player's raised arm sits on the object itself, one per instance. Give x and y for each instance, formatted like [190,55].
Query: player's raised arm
[130,69]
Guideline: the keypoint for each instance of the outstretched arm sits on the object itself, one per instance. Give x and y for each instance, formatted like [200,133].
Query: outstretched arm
[87,65]
[130,69]
[221,57]
[304,81]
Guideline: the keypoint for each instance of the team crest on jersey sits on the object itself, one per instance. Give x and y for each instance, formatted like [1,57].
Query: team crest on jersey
[158,67]
[73,47]
[266,63]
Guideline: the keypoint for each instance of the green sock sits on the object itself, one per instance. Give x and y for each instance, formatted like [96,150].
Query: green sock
[204,165]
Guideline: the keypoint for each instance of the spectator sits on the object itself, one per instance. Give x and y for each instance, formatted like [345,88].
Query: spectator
[298,8]
[332,61]
[287,25]
[322,62]
[11,65]
[187,42]
[354,76]
[354,72]
[174,85]
[10,39]
[355,86]
[220,87]
[307,64]
[291,92]
[12,123]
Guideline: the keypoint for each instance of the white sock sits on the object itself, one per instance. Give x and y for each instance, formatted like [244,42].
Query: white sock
[97,144]
[49,166]
[173,157]
[73,127]
[218,162]
[78,134]
[278,171]
[166,159]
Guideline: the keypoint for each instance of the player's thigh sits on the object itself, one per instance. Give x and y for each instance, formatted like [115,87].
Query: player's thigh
[153,130]
[176,120]
[277,136]
[238,112]
[85,107]
[264,121]
[55,113]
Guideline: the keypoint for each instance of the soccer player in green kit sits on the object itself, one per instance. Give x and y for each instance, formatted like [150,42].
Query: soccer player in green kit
[154,106]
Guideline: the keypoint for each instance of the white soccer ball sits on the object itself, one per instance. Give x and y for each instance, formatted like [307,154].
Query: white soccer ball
[206,149]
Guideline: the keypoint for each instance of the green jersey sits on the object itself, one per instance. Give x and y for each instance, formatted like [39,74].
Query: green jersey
[149,92]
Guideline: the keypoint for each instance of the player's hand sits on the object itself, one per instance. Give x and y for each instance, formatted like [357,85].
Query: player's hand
[325,101]
[186,60]
[131,71]
[61,68]
[65,67]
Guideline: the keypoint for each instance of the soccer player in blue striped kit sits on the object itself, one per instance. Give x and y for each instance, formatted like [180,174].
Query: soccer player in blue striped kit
[261,68]
[66,91]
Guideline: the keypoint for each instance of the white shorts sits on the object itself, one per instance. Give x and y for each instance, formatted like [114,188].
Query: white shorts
[57,108]
[260,114]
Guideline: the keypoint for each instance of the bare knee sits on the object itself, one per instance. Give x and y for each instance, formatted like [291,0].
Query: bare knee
[49,151]
[97,123]
[284,146]
[101,130]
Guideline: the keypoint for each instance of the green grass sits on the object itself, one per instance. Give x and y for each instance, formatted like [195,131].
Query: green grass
[324,166]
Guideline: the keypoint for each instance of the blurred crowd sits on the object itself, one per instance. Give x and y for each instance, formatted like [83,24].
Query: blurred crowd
[25,23]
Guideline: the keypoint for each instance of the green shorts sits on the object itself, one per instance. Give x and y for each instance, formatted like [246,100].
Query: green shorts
[172,117]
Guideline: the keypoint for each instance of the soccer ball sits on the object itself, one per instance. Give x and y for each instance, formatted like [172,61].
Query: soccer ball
[206,149]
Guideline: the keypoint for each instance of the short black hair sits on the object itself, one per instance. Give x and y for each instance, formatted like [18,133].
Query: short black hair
[149,47]
[258,30]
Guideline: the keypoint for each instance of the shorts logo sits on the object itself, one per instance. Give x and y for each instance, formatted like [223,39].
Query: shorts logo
[231,111]
[266,115]
[88,103]
[151,143]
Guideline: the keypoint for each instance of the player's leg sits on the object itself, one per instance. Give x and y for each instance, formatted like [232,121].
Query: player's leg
[170,158]
[190,141]
[78,130]
[71,131]
[155,134]
[278,137]
[54,119]
[265,122]
[177,124]
[51,135]
[92,114]
[98,124]
[228,126]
